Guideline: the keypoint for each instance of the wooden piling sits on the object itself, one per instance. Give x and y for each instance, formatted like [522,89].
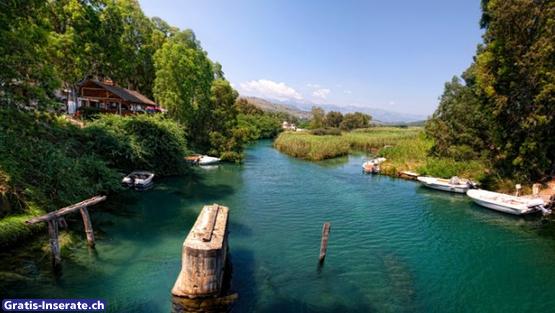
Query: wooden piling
[54,243]
[88,226]
[324,243]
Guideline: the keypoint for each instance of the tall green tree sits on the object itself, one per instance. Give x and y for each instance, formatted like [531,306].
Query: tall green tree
[27,75]
[183,78]
[515,73]
[318,117]
[355,120]
[459,126]
[333,119]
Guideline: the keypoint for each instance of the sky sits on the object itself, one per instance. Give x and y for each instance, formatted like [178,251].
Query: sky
[393,55]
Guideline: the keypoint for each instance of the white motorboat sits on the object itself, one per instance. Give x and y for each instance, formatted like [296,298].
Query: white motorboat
[506,203]
[208,160]
[454,184]
[373,165]
[139,180]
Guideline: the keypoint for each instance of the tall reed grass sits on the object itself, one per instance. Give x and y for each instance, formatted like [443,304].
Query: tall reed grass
[404,148]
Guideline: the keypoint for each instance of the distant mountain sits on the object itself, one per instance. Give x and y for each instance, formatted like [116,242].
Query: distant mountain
[269,106]
[379,115]
[302,110]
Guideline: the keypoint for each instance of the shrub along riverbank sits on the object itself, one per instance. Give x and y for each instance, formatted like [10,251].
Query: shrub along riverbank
[404,148]
[47,163]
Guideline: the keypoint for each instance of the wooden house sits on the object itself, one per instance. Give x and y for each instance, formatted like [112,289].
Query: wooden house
[109,98]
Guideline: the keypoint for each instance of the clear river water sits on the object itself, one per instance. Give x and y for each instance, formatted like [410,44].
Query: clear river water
[394,245]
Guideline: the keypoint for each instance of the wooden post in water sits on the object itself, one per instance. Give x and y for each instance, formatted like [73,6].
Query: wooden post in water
[88,226]
[324,244]
[54,243]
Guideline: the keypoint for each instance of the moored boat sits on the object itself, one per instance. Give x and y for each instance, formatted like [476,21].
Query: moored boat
[199,159]
[455,184]
[372,166]
[208,160]
[507,203]
[139,180]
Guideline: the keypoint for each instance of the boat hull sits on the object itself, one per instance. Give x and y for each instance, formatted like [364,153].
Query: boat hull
[501,208]
[446,188]
[433,184]
[504,203]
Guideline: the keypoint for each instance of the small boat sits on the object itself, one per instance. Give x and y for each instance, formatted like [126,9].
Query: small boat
[208,160]
[199,159]
[454,184]
[408,175]
[138,180]
[372,166]
[506,203]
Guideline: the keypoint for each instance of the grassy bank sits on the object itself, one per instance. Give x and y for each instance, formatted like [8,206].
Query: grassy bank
[47,163]
[307,146]
[404,148]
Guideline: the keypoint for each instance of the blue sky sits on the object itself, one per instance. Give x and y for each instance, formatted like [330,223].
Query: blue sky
[394,55]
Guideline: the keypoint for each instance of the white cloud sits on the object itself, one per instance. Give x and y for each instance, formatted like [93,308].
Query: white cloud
[347,92]
[270,89]
[321,93]
[313,86]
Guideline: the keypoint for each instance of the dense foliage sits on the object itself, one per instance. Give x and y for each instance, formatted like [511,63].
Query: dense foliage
[258,124]
[147,142]
[321,119]
[49,46]
[46,162]
[505,111]
[43,162]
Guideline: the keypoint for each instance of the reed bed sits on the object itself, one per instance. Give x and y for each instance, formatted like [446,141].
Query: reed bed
[406,149]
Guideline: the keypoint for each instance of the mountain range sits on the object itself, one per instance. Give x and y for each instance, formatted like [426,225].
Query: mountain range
[302,110]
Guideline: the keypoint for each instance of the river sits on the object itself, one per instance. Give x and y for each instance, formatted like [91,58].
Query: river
[394,245]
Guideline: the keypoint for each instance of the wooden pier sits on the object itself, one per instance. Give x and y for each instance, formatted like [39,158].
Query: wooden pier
[204,255]
[55,218]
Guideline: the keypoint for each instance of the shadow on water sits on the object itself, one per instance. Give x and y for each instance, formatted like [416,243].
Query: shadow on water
[244,280]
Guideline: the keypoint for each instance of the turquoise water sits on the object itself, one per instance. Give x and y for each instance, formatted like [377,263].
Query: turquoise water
[394,246]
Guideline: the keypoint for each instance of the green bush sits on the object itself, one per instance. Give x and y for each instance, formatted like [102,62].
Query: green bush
[326,131]
[139,142]
[47,163]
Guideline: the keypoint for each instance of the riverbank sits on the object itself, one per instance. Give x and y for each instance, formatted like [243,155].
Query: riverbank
[47,163]
[389,240]
[406,149]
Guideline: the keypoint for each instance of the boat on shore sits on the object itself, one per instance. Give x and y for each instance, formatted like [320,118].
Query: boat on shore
[506,203]
[455,184]
[138,180]
[372,166]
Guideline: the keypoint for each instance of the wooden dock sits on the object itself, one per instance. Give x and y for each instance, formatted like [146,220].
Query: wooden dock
[204,255]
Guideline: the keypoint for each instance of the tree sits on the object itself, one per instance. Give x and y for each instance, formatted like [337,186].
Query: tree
[515,73]
[318,117]
[27,75]
[333,119]
[183,80]
[459,127]
[226,138]
[355,120]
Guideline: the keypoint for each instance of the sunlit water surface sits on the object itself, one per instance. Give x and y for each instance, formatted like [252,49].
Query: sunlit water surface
[394,245]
